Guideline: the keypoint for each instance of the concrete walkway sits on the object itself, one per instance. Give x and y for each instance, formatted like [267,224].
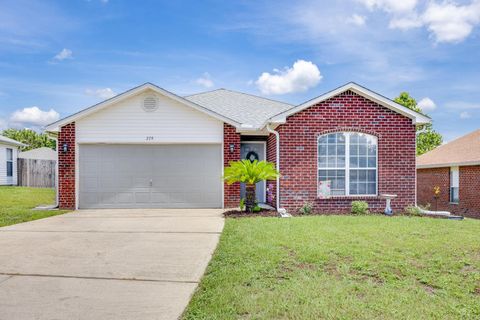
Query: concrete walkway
[106,264]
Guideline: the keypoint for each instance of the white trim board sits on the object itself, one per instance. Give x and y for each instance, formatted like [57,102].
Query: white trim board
[446,165]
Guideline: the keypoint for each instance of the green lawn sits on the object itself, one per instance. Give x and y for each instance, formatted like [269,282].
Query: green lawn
[16,204]
[342,267]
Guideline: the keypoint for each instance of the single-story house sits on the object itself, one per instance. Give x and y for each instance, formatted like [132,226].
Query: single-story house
[455,168]
[149,147]
[42,153]
[8,160]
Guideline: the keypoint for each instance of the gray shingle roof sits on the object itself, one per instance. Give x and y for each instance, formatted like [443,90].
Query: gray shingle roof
[241,107]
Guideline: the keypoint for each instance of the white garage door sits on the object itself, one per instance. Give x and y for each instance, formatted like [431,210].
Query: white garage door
[141,176]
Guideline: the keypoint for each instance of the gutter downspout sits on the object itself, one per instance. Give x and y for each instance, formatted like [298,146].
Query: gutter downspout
[277,143]
[57,202]
[54,137]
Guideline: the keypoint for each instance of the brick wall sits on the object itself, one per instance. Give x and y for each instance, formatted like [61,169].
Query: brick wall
[231,192]
[469,191]
[66,167]
[346,112]
[271,157]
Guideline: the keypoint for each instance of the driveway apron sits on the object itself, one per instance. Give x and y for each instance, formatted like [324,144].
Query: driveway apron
[106,264]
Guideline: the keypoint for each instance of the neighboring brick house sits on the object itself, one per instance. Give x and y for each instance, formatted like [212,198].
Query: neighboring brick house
[455,168]
[148,147]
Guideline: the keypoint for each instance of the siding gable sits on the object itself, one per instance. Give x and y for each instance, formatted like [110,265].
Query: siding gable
[127,122]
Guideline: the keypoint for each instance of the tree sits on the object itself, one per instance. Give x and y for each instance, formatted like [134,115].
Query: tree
[31,138]
[427,138]
[248,172]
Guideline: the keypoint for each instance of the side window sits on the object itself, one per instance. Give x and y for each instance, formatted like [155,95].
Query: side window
[454,184]
[9,162]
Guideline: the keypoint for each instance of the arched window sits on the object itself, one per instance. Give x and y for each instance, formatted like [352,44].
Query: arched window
[349,161]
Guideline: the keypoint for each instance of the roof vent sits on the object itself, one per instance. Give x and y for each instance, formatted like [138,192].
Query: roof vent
[150,103]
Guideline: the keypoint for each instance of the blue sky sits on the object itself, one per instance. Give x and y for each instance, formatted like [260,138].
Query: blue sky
[57,57]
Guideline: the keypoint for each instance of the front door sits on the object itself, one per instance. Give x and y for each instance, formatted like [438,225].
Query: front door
[254,151]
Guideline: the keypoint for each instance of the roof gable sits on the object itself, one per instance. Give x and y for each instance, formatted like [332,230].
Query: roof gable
[55,127]
[416,117]
[249,110]
[462,151]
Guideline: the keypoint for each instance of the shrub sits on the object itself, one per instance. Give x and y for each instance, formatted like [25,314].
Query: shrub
[413,211]
[256,208]
[250,173]
[426,206]
[306,209]
[242,204]
[359,207]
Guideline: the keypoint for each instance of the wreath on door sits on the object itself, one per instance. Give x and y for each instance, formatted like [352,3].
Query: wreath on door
[252,156]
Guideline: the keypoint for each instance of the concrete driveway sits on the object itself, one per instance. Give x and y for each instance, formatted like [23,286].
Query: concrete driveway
[106,264]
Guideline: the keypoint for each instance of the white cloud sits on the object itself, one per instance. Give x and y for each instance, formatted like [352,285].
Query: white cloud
[406,22]
[357,20]
[446,21]
[33,116]
[393,6]
[427,104]
[105,93]
[302,76]
[64,54]
[205,81]
[450,22]
[465,115]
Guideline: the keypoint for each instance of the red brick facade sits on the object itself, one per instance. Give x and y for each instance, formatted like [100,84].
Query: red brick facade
[271,157]
[298,152]
[231,137]
[346,112]
[469,190]
[66,167]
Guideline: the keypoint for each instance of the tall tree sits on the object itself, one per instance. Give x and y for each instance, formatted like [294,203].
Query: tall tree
[31,138]
[427,138]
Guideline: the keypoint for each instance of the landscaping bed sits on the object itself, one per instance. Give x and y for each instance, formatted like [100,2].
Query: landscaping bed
[16,204]
[245,214]
[342,267]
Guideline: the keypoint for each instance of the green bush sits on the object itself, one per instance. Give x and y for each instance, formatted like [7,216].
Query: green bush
[413,211]
[306,209]
[426,206]
[359,207]
[242,204]
[256,208]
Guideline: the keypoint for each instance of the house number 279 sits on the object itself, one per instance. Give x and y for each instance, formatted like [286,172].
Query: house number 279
[149,138]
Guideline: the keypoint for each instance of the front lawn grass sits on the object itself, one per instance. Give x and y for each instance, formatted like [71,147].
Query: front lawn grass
[16,204]
[342,267]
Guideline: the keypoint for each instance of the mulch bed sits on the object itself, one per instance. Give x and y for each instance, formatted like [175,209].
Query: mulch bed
[244,214]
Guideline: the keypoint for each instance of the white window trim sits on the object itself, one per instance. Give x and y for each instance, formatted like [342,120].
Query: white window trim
[11,161]
[452,169]
[347,165]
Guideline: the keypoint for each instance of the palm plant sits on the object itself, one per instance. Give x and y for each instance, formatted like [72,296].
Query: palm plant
[248,172]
